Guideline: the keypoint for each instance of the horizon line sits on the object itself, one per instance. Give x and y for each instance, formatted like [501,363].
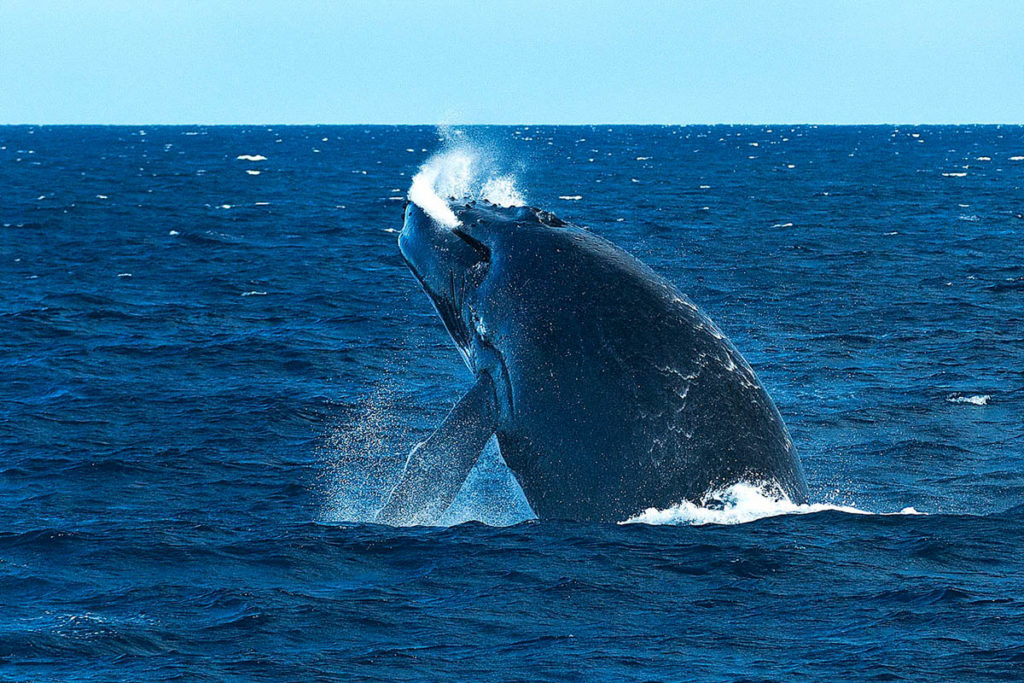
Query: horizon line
[508,125]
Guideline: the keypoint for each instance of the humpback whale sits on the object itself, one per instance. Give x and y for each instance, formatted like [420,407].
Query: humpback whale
[608,390]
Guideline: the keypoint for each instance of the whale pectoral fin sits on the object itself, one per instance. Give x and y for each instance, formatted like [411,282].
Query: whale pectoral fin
[435,469]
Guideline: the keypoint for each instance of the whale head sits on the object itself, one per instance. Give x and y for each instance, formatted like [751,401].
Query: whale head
[462,269]
[452,263]
[447,263]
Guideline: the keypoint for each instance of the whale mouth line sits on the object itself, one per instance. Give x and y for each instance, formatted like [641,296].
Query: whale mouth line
[464,338]
[446,309]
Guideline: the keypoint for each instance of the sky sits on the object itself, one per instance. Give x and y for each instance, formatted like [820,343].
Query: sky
[489,61]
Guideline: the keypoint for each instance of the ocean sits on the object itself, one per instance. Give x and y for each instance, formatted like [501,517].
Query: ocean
[214,362]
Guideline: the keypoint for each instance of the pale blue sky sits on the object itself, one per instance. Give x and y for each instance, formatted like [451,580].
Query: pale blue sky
[480,61]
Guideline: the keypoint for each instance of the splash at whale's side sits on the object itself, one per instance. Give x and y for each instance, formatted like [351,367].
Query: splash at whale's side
[608,390]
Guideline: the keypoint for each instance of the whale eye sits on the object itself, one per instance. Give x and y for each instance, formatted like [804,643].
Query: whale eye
[481,249]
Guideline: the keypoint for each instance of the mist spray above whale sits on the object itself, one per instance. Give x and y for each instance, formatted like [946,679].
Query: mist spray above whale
[608,391]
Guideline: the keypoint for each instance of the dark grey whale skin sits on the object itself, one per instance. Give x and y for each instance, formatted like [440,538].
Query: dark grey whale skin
[614,392]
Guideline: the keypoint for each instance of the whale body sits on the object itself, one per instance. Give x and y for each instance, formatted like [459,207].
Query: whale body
[608,390]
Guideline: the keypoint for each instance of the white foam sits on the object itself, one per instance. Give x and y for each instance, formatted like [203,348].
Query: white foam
[252,171]
[502,191]
[739,504]
[251,157]
[1019,158]
[464,172]
[448,174]
[571,197]
[978,400]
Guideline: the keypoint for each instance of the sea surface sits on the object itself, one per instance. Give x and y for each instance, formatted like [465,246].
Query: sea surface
[213,362]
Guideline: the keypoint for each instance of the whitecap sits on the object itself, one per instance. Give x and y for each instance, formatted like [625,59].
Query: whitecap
[251,157]
[976,400]
[251,171]
[1020,158]
[254,293]
[571,197]
[739,504]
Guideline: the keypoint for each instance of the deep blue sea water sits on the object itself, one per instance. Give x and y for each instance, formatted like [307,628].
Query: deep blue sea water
[209,376]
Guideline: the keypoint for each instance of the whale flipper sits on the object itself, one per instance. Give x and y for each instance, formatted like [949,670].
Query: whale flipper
[435,469]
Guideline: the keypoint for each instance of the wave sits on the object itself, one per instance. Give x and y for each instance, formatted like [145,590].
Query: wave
[739,504]
[976,400]
[461,171]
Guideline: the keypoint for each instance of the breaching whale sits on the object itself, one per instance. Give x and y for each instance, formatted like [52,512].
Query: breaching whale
[608,390]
